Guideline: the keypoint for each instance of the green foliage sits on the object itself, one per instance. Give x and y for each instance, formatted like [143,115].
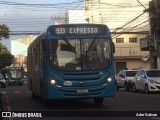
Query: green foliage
[6,58]
[4,32]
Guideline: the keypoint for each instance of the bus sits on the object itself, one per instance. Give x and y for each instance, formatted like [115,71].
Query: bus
[15,75]
[72,61]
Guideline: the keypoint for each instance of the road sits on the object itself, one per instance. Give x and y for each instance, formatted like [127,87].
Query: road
[18,99]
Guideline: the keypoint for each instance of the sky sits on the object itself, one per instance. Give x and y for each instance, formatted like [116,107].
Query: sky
[33,15]
[37,15]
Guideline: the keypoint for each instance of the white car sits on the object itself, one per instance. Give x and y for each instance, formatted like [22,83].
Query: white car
[125,79]
[147,80]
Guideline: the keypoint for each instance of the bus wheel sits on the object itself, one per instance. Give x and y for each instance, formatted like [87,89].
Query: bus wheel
[44,101]
[116,87]
[98,101]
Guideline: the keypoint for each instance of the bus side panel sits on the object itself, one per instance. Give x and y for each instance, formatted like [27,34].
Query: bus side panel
[44,76]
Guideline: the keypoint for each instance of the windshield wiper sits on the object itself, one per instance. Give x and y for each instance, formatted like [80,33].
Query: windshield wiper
[91,45]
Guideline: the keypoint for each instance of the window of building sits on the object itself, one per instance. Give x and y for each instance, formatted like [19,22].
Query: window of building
[119,40]
[132,40]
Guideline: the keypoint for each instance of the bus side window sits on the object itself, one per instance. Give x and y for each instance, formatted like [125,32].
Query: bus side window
[40,53]
[43,44]
[113,46]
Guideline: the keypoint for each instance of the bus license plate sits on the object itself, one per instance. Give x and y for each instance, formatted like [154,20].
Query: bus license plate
[82,91]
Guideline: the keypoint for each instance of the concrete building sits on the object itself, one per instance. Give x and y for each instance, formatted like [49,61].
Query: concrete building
[123,16]
[116,13]
[75,16]
[18,48]
[28,40]
[128,53]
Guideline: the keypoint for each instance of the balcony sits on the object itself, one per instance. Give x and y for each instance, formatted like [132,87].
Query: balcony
[133,52]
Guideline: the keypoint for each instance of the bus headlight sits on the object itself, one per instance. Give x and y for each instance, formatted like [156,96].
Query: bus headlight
[109,79]
[53,82]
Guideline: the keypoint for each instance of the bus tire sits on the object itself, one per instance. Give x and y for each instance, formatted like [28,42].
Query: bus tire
[116,87]
[98,101]
[44,101]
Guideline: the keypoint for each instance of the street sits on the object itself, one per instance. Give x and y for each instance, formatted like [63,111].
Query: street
[18,98]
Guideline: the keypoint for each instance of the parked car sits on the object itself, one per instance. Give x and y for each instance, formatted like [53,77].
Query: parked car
[125,79]
[2,81]
[147,80]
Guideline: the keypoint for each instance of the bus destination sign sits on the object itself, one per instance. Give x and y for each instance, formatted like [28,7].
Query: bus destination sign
[79,30]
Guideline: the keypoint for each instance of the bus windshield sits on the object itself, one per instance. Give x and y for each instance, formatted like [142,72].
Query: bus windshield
[16,73]
[79,54]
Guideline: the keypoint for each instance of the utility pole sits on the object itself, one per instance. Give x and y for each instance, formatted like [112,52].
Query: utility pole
[154,39]
[157,31]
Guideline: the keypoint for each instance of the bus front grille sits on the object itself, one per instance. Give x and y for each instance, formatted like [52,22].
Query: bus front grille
[80,76]
[73,91]
[82,83]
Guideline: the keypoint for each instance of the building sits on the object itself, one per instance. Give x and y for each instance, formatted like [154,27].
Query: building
[28,40]
[128,53]
[75,16]
[117,13]
[18,48]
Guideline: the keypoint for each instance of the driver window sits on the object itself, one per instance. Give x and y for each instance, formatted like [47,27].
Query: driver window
[66,46]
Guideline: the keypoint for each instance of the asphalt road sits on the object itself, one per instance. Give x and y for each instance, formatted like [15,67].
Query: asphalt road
[18,99]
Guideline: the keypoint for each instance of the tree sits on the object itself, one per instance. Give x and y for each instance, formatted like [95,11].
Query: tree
[6,58]
[4,32]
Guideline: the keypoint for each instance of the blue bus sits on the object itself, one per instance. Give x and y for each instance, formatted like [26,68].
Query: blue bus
[15,75]
[72,61]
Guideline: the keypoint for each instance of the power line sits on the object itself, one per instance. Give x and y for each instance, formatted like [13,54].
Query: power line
[38,32]
[131,21]
[33,22]
[38,5]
